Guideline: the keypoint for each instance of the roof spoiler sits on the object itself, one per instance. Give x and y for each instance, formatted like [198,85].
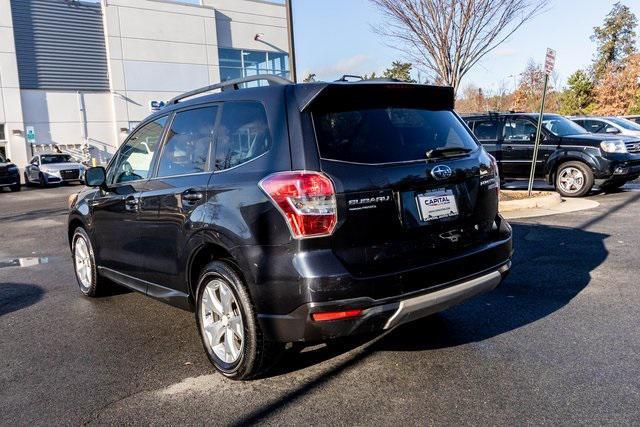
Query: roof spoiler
[332,96]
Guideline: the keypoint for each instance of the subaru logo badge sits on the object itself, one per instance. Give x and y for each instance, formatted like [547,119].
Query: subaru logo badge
[441,172]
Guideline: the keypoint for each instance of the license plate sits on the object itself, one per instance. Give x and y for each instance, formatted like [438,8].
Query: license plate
[437,204]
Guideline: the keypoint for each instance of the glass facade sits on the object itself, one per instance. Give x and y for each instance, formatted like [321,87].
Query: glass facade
[236,63]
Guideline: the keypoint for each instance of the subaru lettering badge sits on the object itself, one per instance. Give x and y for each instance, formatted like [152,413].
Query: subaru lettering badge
[441,172]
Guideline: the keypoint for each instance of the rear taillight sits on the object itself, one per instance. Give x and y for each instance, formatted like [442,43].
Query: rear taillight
[335,315]
[307,200]
[492,172]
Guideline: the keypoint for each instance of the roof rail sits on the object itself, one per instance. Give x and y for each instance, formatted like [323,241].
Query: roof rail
[349,76]
[232,84]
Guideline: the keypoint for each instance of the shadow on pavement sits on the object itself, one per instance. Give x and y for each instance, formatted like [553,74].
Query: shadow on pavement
[16,296]
[551,266]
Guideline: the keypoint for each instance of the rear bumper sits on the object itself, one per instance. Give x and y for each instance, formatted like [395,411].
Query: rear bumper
[377,315]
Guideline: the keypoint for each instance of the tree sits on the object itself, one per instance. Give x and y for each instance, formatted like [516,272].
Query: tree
[618,91]
[399,70]
[448,37]
[529,91]
[615,39]
[310,78]
[578,97]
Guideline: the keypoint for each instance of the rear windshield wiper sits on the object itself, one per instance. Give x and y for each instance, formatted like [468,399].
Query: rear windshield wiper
[447,152]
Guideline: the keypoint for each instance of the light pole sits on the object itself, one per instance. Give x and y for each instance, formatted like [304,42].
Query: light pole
[292,45]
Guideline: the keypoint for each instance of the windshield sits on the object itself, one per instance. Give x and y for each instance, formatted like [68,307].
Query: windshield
[560,126]
[388,135]
[55,158]
[625,124]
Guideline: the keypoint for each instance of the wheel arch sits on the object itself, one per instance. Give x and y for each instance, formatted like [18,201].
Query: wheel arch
[564,156]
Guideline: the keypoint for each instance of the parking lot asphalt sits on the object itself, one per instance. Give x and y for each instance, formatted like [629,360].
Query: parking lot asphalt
[558,343]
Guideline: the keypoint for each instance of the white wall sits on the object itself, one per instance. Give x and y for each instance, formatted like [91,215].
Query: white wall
[10,106]
[157,50]
[237,23]
[58,117]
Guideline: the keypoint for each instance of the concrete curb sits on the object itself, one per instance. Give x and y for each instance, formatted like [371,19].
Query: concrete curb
[543,202]
[567,205]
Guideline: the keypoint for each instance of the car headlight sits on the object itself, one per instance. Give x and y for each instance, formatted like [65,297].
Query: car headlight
[616,146]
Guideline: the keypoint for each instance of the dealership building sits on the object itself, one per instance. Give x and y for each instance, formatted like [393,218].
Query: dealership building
[77,76]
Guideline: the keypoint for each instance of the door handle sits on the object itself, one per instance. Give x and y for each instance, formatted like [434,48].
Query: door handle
[508,148]
[192,196]
[131,203]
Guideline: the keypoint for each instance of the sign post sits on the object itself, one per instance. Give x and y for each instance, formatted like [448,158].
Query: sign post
[549,63]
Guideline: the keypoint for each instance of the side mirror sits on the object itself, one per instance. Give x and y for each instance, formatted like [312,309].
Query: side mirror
[8,160]
[532,137]
[611,129]
[95,177]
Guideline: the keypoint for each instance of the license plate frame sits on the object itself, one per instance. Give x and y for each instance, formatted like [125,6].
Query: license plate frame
[437,204]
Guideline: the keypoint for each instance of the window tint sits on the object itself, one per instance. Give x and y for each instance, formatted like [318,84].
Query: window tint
[486,130]
[189,142]
[243,134]
[49,159]
[387,135]
[134,158]
[519,130]
[595,126]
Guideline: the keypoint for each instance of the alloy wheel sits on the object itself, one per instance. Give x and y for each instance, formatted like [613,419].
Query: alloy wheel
[221,321]
[82,259]
[571,180]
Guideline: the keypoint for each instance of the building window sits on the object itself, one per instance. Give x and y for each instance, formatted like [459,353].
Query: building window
[237,63]
[2,136]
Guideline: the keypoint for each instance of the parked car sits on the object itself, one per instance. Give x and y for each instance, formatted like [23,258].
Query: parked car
[608,125]
[296,214]
[633,118]
[9,175]
[53,168]
[569,157]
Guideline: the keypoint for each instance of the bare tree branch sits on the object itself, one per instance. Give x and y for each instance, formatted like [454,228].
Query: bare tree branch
[448,37]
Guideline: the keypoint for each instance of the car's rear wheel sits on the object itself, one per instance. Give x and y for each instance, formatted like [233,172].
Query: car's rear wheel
[574,179]
[228,324]
[15,187]
[84,262]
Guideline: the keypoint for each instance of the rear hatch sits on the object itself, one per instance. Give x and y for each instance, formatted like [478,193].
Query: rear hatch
[413,187]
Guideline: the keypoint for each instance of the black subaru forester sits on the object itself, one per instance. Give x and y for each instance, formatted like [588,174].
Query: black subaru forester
[295,213]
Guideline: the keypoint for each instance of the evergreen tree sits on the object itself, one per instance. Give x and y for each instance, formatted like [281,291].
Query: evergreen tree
[578,97]
[615,39]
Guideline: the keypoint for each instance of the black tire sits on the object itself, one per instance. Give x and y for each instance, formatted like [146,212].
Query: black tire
[26,180]
[580,190]
[15,187]
[98,285]
[257,355]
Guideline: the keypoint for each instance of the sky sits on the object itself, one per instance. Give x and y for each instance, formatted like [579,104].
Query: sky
[334,37]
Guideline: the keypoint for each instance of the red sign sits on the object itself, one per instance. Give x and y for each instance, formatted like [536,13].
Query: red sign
[550,61]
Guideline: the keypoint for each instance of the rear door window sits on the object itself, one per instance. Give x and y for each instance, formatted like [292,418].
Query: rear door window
[388,135]
[189,142]
[243,134]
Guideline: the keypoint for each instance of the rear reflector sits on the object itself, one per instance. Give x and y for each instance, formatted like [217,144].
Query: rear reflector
[306,200]
[335,315]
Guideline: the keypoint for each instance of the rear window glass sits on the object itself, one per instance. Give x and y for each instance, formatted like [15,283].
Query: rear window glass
[387,135]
